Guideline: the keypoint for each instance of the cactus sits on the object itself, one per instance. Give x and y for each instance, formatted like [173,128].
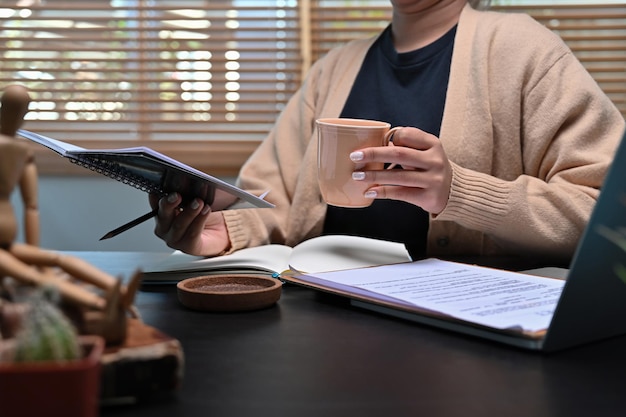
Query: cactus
[46,333]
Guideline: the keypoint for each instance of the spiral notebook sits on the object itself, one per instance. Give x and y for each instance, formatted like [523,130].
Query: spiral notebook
[148,170]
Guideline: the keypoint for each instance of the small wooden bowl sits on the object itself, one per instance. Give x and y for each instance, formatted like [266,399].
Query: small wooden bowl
[235,292]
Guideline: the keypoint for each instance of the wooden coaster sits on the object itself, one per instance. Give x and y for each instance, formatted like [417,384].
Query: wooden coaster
[229,292]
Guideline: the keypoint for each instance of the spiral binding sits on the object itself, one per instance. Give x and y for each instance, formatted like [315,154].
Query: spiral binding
[118,173]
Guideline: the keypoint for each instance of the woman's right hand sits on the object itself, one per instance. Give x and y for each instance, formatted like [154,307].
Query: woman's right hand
[194,229]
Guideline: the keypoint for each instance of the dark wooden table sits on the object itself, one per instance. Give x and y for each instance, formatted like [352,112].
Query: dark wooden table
[314,355]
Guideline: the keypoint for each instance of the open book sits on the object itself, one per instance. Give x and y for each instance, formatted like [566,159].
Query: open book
[323,253]
[148,170]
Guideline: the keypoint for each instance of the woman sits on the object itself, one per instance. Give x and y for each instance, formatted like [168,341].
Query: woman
[506,144]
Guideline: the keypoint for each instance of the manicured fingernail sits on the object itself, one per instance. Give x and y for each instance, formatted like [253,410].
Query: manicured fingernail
[358,176]
[205,209]
[356,156]
[370,194]
[171,197]
[194,204]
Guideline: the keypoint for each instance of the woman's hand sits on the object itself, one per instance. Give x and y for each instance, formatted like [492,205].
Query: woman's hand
[426,173]
[193,229]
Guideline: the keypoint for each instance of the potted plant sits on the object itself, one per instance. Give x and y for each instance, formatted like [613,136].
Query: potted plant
[46,368]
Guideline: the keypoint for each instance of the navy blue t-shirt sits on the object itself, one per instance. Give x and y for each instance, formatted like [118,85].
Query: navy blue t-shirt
[404,89]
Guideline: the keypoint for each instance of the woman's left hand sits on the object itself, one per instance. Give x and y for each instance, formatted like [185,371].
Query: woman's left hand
[426,173]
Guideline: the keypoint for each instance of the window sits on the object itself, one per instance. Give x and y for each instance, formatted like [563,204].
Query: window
[204,80]
[170,74]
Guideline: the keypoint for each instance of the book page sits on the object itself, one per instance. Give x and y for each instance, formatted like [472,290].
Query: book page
[337,252]
[490,297]
[55,145]
[266,259]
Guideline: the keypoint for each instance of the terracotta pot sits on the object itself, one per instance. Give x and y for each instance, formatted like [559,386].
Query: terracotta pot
[69,389]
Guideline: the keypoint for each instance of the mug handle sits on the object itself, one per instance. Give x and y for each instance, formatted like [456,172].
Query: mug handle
[388,141]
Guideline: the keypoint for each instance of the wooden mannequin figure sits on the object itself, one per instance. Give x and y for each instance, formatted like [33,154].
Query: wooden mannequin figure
[101,298]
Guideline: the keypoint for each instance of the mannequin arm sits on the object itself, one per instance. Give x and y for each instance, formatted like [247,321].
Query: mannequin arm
[28,190]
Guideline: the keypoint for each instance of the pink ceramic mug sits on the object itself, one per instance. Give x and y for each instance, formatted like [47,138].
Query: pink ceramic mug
[337,138]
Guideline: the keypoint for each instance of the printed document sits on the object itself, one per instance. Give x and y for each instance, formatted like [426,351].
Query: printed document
[485,296]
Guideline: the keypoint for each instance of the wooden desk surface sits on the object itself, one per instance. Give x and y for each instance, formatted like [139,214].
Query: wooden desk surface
[313,355]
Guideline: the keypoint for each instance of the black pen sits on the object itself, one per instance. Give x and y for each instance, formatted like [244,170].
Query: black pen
[130,225]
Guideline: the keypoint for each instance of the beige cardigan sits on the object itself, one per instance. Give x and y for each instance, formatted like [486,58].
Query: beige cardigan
[529,133]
